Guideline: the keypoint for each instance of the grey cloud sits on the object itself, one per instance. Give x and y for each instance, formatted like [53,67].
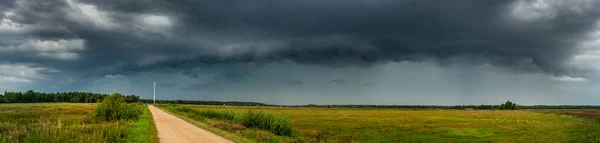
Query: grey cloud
[383,32]
[294,82]
[369,84]
[222,80]
[202,86]
[338,81]
[233,76]
[167,85]
[218,42]
[331,32]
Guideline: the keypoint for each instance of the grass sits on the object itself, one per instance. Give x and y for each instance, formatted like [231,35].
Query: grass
[144,129]
[582,113]
[262,127]
[391,125]
[250,118]
[261,120]
[65,122]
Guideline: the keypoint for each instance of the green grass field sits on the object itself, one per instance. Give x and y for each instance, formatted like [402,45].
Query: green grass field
[68,122]
[390,125]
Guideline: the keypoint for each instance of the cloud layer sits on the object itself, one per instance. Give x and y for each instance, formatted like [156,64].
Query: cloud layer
[218,44]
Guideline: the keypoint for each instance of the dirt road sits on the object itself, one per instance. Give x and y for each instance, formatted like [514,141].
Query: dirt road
[172,129]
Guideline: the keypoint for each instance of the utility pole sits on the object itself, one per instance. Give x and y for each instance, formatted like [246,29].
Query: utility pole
[154,99]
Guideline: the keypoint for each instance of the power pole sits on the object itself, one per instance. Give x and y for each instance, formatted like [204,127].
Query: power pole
[154,99]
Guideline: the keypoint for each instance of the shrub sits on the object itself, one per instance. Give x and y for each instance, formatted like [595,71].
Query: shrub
[114,108]
[261,120]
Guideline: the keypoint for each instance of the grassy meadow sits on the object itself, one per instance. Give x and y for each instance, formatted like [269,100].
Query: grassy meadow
[393,125]
[69,122]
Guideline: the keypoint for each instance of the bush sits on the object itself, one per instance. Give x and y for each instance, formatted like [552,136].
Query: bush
[114,108]
[261,120]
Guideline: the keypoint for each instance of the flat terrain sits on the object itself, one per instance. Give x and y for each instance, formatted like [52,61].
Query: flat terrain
[391,125]
[583,113]
[173,129]
[65,123]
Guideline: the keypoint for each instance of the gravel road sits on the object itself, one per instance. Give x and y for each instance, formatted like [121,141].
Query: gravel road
[172,129]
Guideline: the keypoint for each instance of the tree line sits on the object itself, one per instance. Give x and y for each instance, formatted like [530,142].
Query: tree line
[199,102]
[476,107]
[31,96]
[504,106]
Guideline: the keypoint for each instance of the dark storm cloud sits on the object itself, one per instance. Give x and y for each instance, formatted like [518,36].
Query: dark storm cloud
[354,32]
[369,84]
[233,76]
[129,36]
[167,85]
[294,82]
[338,81]
[5,5]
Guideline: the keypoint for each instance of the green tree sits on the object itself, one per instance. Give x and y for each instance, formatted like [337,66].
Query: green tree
[132,99]
[508,106]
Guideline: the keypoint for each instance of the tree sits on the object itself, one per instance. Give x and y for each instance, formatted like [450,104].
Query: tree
[10,97]
[508,106]
[29,96]
[132,99]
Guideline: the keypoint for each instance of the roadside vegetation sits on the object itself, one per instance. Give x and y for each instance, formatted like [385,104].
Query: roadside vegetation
[251,118]
[254,125]
[144,129]
[392,125]
[113,120]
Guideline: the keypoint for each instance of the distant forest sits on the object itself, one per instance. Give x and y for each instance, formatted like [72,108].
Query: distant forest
[476,107]
[196,102]
[72,97]
[482,107]
[88,97]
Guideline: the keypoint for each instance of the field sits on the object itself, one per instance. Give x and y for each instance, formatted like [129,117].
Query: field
[68,122]
[392,125]
[588,113]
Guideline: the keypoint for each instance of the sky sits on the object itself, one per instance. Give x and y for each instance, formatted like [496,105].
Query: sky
[294,52]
